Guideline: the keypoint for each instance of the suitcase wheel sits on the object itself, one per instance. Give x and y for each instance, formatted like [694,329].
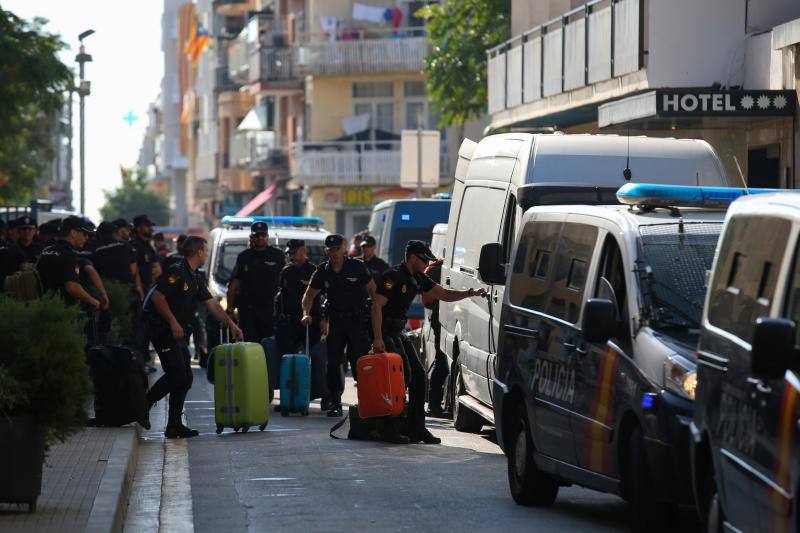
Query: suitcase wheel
[304,412]
[284,411]
[262,427]
[219,429]
[245,429]
[236,429]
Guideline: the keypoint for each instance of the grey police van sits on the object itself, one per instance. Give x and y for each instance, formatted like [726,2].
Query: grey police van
[744,433]
[596,372]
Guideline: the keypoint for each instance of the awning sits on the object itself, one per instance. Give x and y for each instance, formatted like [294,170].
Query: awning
[254,120]
[258,201]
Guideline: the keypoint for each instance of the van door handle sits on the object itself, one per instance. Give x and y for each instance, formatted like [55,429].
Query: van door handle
[447,281]
[574,347]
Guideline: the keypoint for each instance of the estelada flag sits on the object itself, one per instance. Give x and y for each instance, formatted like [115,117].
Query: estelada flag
[197,42]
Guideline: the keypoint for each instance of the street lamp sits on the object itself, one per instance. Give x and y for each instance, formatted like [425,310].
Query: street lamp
[84,88]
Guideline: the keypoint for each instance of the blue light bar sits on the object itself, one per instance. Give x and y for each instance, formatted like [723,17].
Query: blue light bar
[683,196]
[272,221]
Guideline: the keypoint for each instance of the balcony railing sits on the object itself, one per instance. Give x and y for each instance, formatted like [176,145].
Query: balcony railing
[273,64]
[362,51]
[224,81]
[256,150]
[599,41]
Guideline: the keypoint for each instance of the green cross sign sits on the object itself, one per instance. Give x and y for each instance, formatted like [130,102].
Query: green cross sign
[130,118]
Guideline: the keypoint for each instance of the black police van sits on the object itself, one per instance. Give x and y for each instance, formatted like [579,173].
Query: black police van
[595,375]
[744,433]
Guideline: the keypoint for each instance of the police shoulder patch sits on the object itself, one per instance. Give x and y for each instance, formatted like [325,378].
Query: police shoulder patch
[389,284]
[172,279]
[185,286]
[77,270]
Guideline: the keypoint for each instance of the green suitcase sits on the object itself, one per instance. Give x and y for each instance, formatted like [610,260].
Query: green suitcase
[241,386]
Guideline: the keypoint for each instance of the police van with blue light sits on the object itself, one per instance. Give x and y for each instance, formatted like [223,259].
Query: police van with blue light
[233,236]
[595,375]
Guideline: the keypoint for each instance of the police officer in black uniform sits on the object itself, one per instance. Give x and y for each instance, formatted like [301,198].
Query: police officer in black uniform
[294,281]
[395,291]
[343,280]
[59,267]
[440,368]
[145,257]
[113,258]
[48,232]
[26,231]
[254,284]
[375,264]
[169,306]
[12,258]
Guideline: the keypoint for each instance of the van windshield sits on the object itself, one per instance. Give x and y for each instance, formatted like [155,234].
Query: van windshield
[674,260]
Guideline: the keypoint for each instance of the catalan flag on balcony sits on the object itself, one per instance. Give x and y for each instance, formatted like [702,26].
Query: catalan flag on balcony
[198,41]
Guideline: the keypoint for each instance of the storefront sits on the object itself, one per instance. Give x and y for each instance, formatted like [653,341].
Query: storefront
[347,209]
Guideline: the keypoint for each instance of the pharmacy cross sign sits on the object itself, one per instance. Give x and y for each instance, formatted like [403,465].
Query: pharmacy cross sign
[130,118]
[711,103]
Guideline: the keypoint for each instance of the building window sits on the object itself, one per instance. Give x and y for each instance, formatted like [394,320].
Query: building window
[375,100]
[384,89]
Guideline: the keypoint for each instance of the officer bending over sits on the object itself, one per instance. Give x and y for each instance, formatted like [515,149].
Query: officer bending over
[170,304]
[343,280]
[395,291]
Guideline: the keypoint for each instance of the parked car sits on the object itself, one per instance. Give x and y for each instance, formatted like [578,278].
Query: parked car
[744,446]
[596,369]
[495,182]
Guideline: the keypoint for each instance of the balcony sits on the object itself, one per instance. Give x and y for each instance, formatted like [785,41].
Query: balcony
[224,81]
[362,52]
[273,65]
[234,8]
[255,150]
[600,41]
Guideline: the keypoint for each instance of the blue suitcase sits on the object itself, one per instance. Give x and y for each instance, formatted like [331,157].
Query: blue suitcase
[295,381]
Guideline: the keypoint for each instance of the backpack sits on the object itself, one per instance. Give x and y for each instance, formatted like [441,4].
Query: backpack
[24,285]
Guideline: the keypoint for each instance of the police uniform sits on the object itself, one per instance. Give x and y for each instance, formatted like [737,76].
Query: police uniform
[376,265]
[145,256]
[294,280]
[258,272]
[59,263]
[34,249]
[440,368]
[113,259]
[346,306]
[400,287]
[183,289]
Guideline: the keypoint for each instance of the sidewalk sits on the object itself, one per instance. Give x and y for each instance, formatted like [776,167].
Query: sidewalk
[85,485]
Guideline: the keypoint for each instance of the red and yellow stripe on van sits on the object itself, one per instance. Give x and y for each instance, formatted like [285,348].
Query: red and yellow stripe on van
[597,453]
[782,467]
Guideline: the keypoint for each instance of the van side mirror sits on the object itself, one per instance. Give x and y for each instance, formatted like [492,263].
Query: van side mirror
[773,349]
[491,269]
[599,320]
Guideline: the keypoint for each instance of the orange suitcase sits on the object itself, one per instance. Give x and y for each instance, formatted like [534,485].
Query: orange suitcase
[381,386]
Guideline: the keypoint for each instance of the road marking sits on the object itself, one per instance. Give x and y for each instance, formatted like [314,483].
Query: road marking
[272,479]
[176,490]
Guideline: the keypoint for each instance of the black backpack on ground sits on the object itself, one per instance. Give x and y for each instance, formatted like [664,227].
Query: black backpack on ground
[120,386]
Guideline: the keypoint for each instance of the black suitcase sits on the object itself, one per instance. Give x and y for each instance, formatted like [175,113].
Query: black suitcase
[319,366]
[120,386]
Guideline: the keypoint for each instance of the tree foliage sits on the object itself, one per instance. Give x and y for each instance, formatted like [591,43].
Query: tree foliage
[134,198]
[460,33]
[33,82]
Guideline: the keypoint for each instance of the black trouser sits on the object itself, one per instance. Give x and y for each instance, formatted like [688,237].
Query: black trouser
[396,341]
[440,370]
[199,331]
[344,333]
[291,335]
[177,378]
[141,334]
[256,322]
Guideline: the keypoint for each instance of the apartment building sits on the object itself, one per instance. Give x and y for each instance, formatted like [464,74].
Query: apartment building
[720,70]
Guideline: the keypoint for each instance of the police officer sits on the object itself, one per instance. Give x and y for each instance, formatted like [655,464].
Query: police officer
[143,248]
[12,258]
[375,264]
[48,232]
[294,280]
[26,231]
[59,267]
[343,280]
[176,256]
[254,284]
[394,293]
[440,368]
[169,306]
[124,229]
[113,258]
[160,244]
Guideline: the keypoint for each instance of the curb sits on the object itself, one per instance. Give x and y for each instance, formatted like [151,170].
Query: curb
[111,503]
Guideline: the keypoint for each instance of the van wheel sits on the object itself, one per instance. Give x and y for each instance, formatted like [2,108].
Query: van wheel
[528,484]
[463,418]
[646,512]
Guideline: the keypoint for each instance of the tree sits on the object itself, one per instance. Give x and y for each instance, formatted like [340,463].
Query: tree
[134,198]
[32,85]
[460,33]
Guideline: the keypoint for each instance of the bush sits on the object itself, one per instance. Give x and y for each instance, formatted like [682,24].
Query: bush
[119,297]
[43,363]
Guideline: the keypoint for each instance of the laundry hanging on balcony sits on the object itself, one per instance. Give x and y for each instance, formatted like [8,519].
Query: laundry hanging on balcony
[258,201]
[368,13]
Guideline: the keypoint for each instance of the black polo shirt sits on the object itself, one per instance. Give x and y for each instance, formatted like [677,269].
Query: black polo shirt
[11,259]
[183,288]
[31,252]
[344,289]
[59,264]
[294,281]
[145,257]
[113,260]
[400,287]
[376,266]
[172,258]
[258,272]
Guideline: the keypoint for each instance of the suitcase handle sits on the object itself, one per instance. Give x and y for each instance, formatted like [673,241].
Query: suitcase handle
[308,349]
[227,336]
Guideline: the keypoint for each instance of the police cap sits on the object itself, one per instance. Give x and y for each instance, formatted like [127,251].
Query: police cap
[368,241]
[259,228]
[122,223]
[421,249]
[24,222]
[142,220]
[76,223]
[293,244]
[334,240]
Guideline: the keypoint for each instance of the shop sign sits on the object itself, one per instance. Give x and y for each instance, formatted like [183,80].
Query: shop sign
[331,198]
[694,103]
[357,197]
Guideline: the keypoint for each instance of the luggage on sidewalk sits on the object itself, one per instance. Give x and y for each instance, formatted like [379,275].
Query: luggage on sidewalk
[241,397]
[23,285]
[270,346]
[319,367]
[295,384]
[381,385]
[120,386]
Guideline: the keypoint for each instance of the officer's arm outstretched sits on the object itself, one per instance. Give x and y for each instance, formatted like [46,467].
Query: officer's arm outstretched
[378,301]
[219,313]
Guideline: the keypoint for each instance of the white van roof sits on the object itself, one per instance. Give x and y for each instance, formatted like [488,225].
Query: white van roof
[780,205]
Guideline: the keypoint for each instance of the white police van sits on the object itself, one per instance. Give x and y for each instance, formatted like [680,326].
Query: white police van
[233,237]
[596,367]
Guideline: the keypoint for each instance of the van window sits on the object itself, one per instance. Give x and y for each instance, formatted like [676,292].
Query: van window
[575,248]
[610,283]
[744,282]
[793,300]
[533,265]
[478,223]
[509,227]
[377,222]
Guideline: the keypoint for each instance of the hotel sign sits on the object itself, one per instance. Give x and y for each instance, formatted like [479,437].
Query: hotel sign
[699,103]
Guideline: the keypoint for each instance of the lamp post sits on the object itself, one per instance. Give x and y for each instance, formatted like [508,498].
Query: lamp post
[84,88]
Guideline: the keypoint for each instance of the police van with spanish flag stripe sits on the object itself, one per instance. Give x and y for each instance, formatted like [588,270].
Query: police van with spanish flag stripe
[744,432]
[596,358]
